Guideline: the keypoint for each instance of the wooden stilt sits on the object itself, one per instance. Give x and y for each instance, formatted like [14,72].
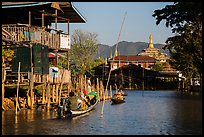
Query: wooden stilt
[53,92]
[97,88]
[48,96]
[17,104]
[3,83]
[111,94]
[43,93]
[61,85]
[57,93]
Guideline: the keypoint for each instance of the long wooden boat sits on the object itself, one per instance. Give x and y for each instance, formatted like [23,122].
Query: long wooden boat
[72,113]
[116,101]
[80,112]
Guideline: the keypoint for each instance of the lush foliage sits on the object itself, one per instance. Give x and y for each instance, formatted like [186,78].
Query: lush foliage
[158,66]
[7,54]
[84,46]
[185,19]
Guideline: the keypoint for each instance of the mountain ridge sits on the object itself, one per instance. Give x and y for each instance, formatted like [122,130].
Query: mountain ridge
[125,48]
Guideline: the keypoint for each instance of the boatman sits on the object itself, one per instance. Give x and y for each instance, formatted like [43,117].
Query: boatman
[75,101]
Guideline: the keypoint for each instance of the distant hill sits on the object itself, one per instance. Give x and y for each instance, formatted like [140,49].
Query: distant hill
[126,48]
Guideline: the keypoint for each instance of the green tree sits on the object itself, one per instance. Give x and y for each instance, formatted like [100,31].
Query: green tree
[158,66]
[84,46]
[185,20]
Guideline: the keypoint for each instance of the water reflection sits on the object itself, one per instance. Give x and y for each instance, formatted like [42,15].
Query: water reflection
[154,113]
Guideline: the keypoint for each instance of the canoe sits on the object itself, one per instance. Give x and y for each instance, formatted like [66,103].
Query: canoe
[116,101]
[80,112]
[65,111]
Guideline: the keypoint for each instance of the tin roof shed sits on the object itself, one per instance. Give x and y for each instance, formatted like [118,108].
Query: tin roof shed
[18,12]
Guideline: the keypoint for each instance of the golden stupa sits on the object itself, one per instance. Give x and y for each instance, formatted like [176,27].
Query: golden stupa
[153,52]
[150,42]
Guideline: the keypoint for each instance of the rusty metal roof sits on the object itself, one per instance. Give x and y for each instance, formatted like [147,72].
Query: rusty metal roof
[18,11]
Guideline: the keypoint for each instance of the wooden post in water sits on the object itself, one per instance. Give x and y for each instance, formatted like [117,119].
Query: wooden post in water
[97,88]
[17,104]
[106,93]
[43,94]
[48,95]
[85,83]
[53,92]
[3,83]
[102,90]
[61,85]
[57,93]
[31,80]
[111,94]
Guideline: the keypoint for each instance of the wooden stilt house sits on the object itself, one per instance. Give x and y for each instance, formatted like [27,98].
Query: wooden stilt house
[26,30]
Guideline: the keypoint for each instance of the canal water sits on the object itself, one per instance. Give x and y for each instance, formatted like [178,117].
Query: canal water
[143,113]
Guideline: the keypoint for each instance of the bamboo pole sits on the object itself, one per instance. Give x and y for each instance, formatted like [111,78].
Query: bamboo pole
[48,95]
[61,85]
[31,80]
[111,94]
[3,83]
[85,83]
[113,62]
[97,88]
[56,92]
[17,105]
[53,92]
[29,18]
[81,86]
[43,94]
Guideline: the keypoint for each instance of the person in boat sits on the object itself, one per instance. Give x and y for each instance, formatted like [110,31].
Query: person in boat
[75,101]
[121,91]
[119,96]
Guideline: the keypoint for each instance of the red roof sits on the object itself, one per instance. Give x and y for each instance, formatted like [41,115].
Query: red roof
[136,58]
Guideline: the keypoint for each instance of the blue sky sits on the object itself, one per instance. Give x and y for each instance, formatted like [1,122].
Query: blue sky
[105,19]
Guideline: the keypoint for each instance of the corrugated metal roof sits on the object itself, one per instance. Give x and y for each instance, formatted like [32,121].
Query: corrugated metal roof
[22,4]
[69,11]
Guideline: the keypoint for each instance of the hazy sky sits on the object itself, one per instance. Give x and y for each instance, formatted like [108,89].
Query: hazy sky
[105,19]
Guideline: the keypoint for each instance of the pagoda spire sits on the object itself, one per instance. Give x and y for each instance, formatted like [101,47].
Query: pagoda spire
[150,42]
[116,52]
[111,54]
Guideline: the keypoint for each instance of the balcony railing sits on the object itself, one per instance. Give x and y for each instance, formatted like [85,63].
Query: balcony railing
[34,34]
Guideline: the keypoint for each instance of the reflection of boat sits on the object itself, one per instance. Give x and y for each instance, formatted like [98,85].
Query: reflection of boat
[115,100]
[65,111]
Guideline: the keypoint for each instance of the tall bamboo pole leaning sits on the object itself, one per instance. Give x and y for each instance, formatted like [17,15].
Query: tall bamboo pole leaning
[113,61]
[111,94]
[17,105]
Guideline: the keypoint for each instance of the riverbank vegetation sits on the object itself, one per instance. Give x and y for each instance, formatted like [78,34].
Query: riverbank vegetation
[185,20]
